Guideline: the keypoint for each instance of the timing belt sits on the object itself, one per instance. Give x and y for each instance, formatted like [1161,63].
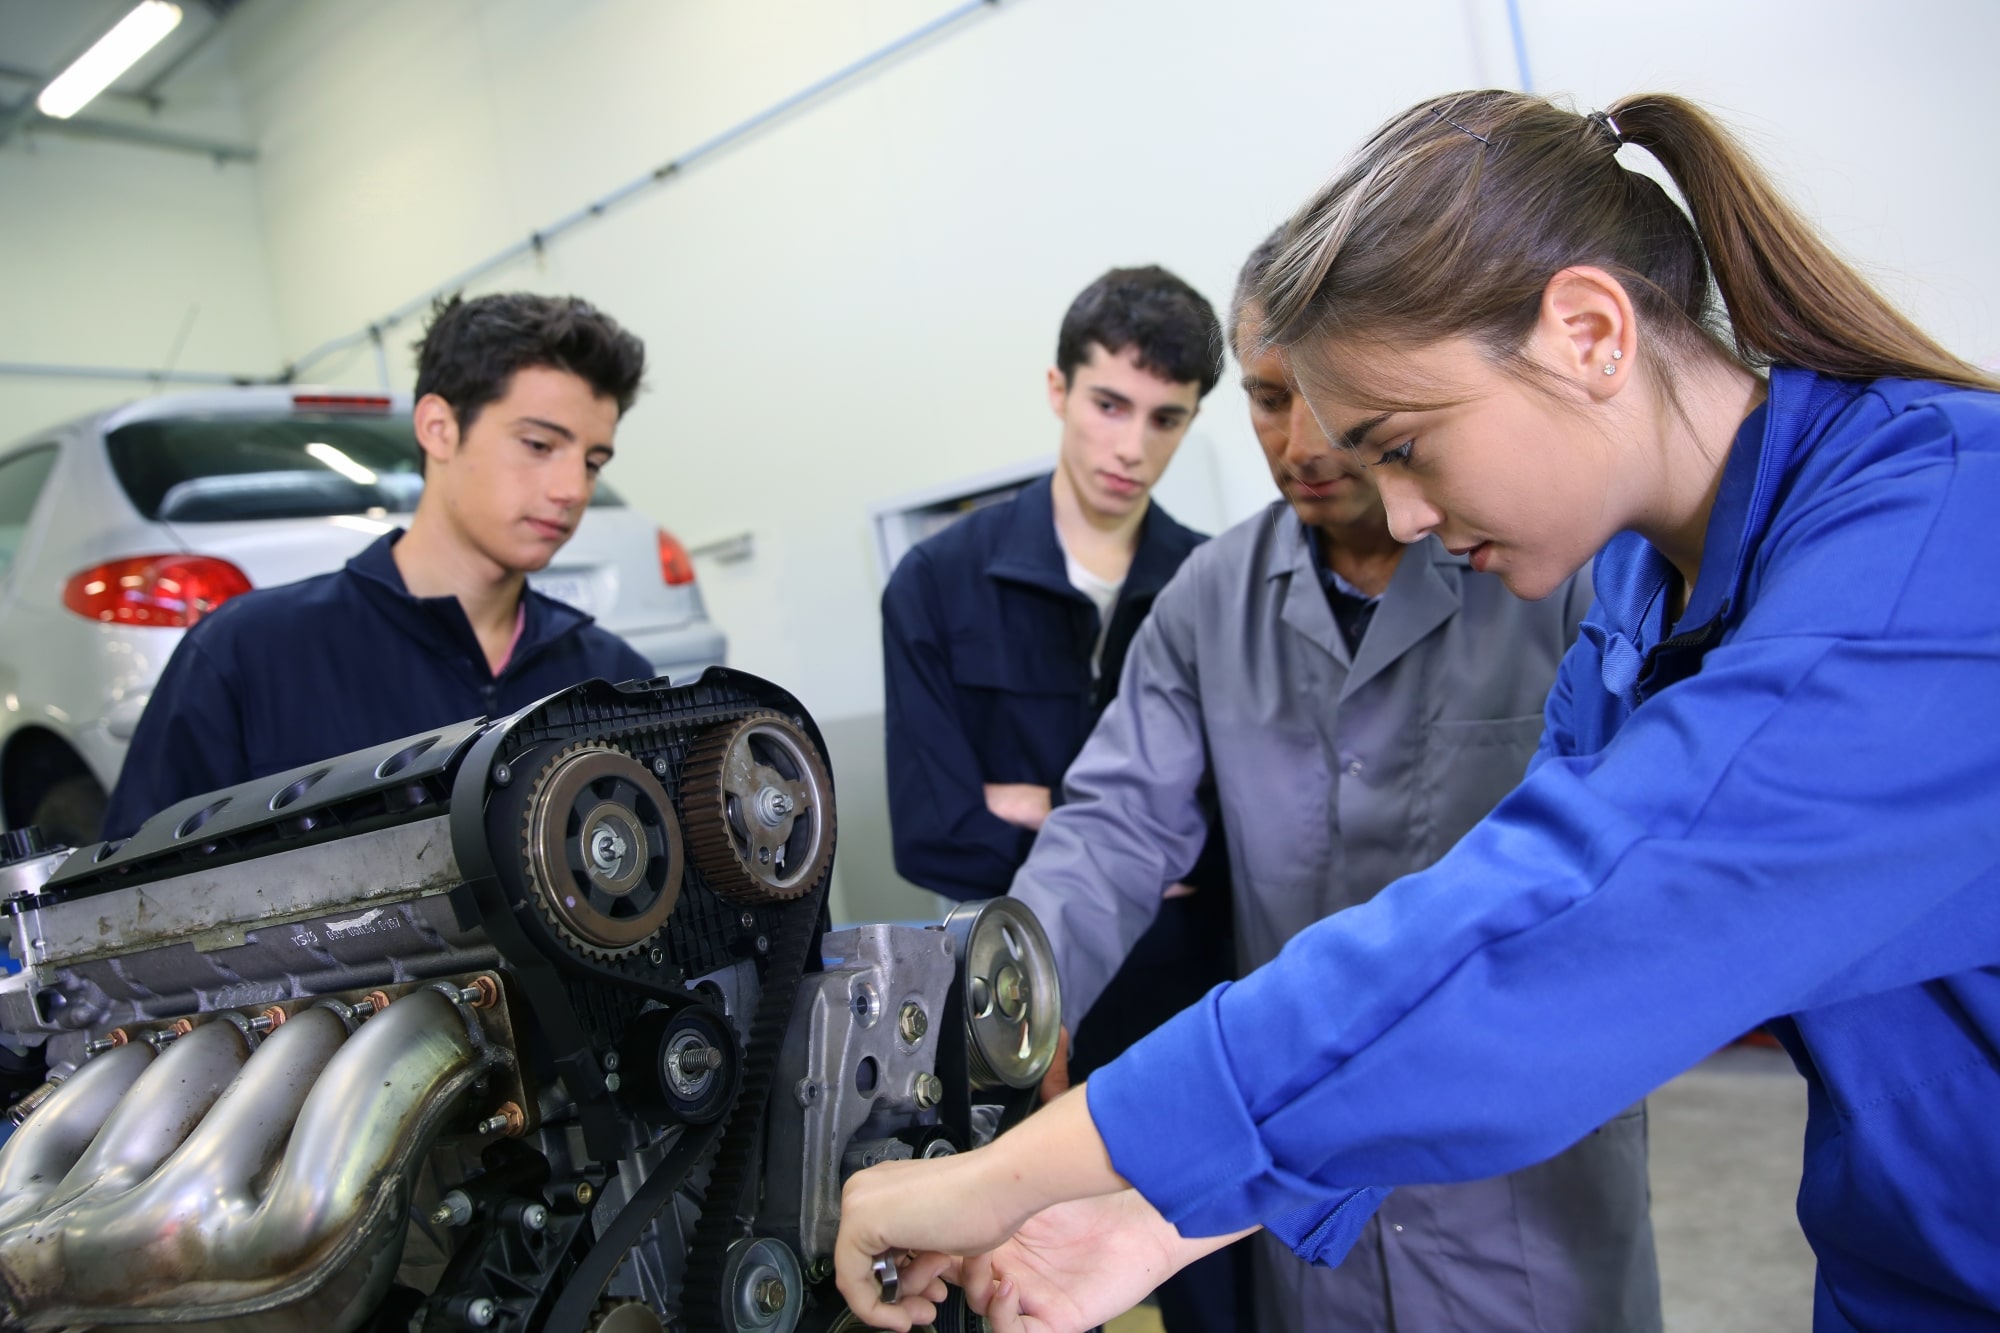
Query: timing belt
[730,1202]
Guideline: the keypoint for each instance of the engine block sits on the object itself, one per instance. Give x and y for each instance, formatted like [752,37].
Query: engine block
[522,1024]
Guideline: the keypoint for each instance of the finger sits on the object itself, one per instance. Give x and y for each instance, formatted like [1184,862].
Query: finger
[976,1280]
[1003,1310]
[854,1274]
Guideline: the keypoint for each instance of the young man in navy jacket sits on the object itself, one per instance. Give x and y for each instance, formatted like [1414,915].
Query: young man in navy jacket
[518,397]
[1003,639]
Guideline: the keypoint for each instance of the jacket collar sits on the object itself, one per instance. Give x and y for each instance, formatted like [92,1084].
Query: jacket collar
[1631,576]
[1422,594]
[1028,551]
[441,622]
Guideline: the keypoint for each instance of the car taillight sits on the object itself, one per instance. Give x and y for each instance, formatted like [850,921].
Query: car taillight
[676,565]
[168,591]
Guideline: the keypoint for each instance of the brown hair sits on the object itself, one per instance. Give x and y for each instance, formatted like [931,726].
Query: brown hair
[1451,220]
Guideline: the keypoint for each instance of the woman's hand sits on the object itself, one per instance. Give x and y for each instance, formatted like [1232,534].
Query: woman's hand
[921,1215]
[937,1210]
[1073,1266]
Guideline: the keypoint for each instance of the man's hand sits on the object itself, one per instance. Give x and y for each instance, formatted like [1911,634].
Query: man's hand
[1021,804]
[1074,1266]
[1178,889]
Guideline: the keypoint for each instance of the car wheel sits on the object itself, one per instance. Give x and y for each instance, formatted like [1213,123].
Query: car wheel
[71,812]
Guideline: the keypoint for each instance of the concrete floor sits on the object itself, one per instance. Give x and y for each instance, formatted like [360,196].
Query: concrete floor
[1725,1167]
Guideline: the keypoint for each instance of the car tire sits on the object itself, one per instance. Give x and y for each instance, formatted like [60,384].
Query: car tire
[71,812]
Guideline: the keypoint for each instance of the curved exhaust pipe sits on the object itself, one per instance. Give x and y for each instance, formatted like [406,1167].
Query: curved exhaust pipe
[280,1205]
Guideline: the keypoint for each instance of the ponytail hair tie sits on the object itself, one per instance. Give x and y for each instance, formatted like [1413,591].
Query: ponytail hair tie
[1604,122]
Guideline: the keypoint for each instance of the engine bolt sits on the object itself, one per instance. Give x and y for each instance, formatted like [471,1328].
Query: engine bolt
[481,1312]
[763,944]
[819,1270]
[583,1193]
[502,775]
[534,1217]
[611,1061]
[771,1295]
[929,1090]
[913,1022]
[507,1119]
[660,767]
[276,1016]
[808,1092]
[182,1026]
[376,1001]
[612,1082]
[749,921]
[483,993]
[453,1210]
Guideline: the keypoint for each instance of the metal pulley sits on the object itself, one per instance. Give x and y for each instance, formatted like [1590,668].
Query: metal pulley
[1013,1001]
[602,849]
[759,804]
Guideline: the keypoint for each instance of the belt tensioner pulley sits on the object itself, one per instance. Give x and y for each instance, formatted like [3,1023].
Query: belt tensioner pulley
[759,804]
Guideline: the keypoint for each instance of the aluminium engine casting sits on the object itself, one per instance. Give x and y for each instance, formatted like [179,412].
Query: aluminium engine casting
[527,1024]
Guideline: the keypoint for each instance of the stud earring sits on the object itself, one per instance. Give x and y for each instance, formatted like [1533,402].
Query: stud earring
[1616,355]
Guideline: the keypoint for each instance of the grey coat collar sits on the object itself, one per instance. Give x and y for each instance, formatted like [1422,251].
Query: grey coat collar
[1422,594]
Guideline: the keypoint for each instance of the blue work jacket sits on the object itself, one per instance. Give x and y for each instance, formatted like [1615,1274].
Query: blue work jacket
[286,676]
[1784,806]
[986,671]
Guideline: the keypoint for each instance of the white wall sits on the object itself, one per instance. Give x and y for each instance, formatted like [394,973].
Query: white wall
[108,252]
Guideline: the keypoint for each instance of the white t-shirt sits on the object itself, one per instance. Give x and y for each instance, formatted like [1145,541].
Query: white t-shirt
[1104,592]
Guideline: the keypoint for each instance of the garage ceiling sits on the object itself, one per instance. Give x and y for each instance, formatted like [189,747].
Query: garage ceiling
[39,38]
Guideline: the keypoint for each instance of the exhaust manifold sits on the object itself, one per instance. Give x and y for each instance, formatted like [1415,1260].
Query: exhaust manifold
[229,1182]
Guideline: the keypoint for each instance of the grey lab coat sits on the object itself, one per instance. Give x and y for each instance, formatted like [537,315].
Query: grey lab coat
[1336,776]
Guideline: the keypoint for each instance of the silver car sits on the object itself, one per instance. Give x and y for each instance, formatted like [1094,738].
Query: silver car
[119,530]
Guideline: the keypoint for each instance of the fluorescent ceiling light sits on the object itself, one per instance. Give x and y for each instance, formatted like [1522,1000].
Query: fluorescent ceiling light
[115,52]
[341,463]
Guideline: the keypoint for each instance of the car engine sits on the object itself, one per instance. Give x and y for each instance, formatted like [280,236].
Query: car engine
[524,1024]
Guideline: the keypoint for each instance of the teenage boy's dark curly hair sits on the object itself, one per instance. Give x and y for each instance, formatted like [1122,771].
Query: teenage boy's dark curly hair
[471,349]
[1170,323]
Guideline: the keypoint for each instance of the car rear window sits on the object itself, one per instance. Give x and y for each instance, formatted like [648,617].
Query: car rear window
[227,469]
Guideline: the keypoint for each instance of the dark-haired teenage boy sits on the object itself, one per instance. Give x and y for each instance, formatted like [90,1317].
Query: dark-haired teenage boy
[1003,637]
[518,397]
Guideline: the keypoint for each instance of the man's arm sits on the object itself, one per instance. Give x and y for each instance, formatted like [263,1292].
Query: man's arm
[189,740]
[944,836]
[1132,822]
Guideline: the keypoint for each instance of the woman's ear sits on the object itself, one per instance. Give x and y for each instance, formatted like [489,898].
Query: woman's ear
[1586,331]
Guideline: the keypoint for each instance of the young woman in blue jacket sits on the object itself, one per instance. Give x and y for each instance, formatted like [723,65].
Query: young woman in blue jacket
[1769,788]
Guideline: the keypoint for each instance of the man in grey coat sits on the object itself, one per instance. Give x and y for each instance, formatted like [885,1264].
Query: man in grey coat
[1358,706]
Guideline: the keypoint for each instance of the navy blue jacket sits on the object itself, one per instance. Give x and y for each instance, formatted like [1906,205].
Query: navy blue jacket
[289,675]
[986,662]
[1786,803]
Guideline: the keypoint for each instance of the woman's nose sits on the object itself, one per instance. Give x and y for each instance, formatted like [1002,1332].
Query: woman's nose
[1410,515]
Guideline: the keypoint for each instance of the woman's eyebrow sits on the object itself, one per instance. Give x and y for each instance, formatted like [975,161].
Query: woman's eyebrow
[1356,434]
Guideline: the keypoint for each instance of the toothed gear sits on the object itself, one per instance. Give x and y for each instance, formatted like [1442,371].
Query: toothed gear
[614,1316]
[601,849]
[759,804]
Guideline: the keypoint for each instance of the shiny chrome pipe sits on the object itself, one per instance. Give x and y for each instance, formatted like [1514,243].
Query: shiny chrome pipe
[51,1140]
[283,1208]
